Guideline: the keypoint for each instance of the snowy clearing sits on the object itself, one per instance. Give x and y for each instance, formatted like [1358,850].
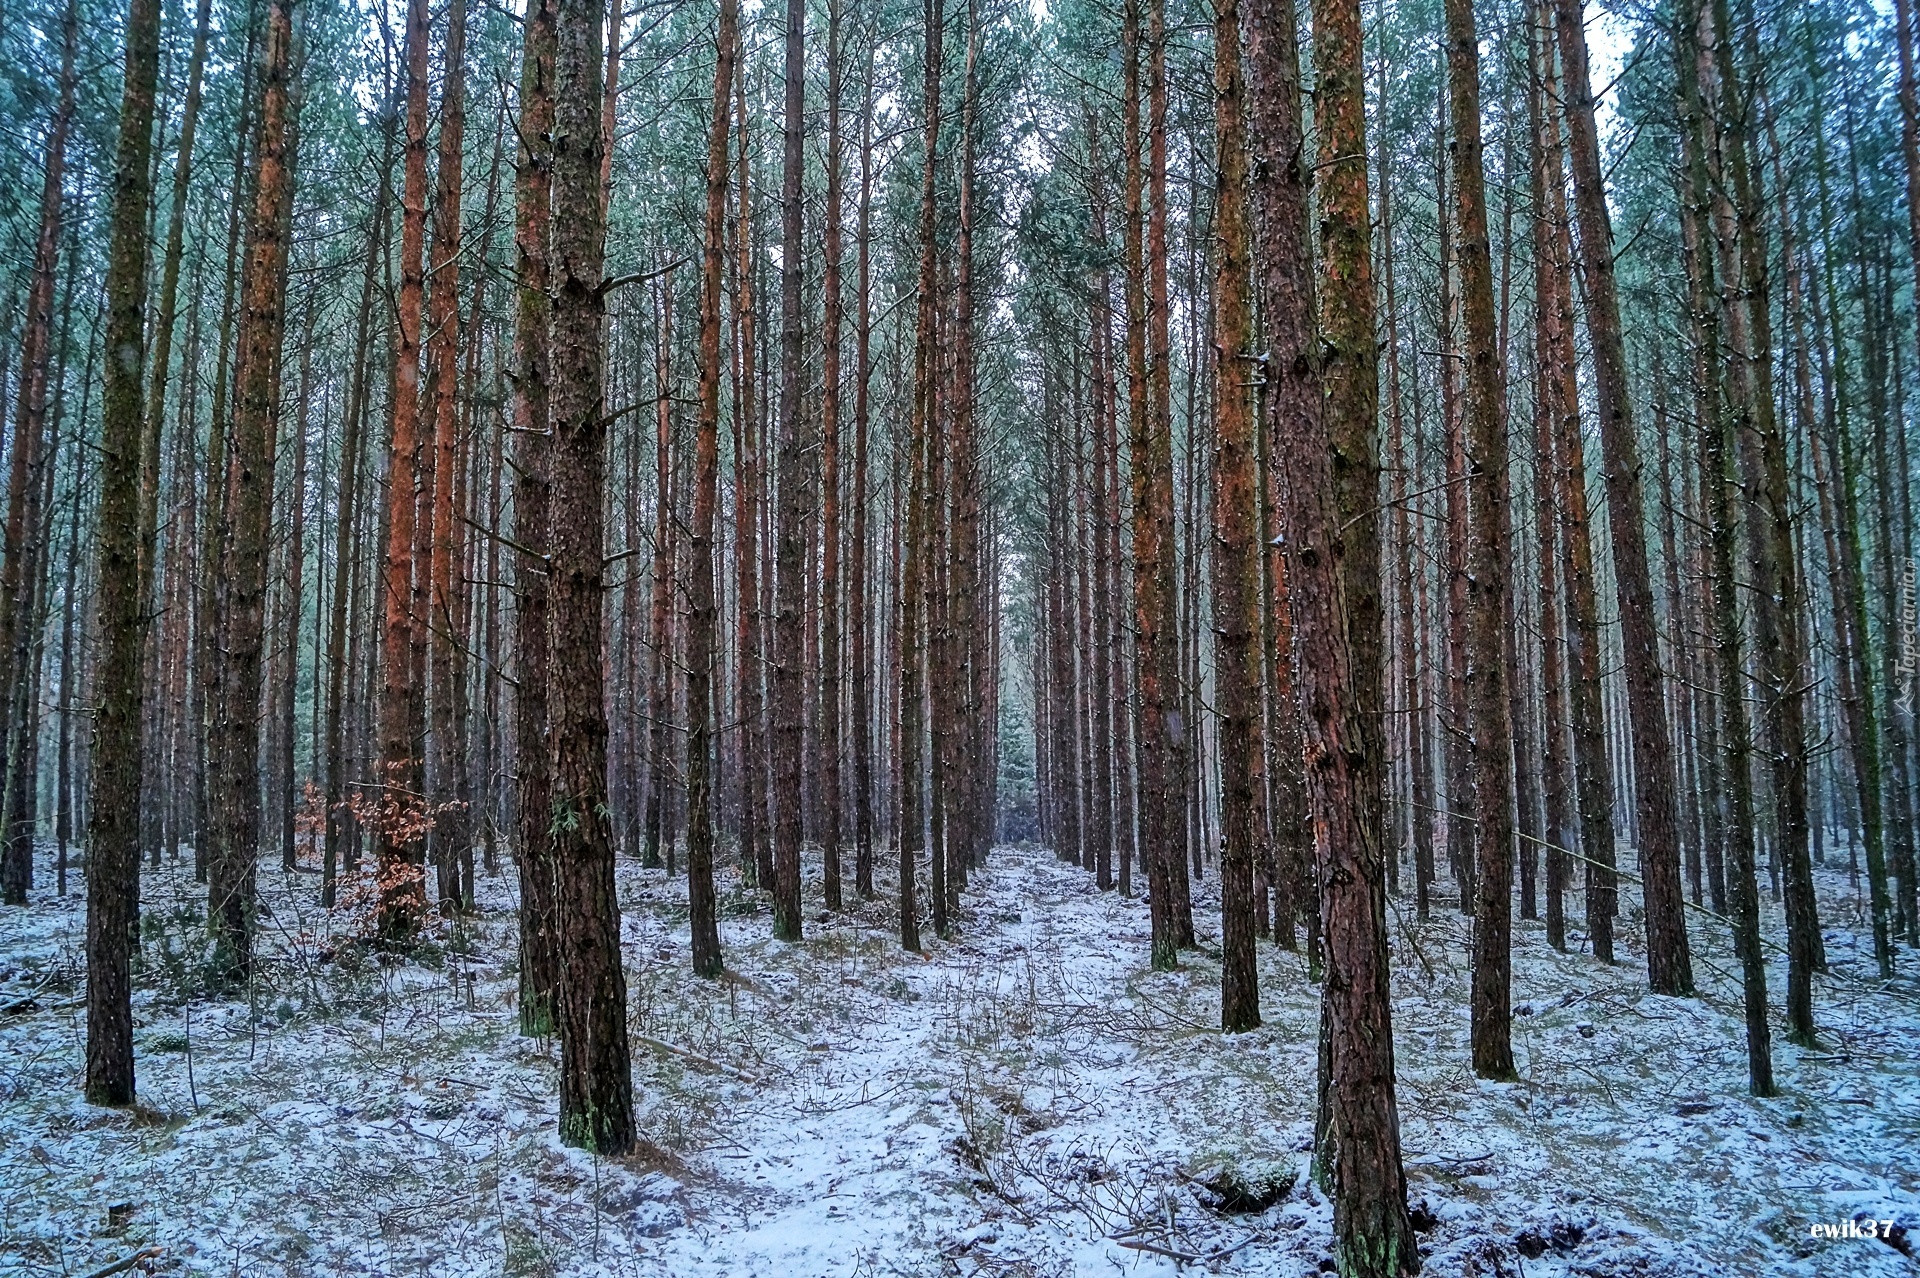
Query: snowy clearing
[1029,1100]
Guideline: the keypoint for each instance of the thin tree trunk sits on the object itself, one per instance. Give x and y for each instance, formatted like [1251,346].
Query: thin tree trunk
[1456,716]
[1162,735]
[756,849]
[452,828]
[1593,772]
[1669,964]
[1549,515]
[346,515]
[1292,396]
[1236,563]
[969,732]
[1715,412]
[701,639]
[162,339]
[288,691]
[857,549]
[234,749]
[659,627]
[828,751]
[789,622]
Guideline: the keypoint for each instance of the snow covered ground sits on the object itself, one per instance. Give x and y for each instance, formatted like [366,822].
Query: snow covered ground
[1028,1100]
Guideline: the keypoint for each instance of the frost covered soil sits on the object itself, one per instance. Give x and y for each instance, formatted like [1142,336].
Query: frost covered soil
[1026,1100]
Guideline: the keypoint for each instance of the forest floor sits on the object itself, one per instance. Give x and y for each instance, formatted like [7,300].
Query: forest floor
[1026,1100]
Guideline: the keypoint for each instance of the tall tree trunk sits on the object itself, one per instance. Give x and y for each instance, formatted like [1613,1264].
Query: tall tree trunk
[1593,771]
[660,623]
[909,749]
[1669,963]
[214,524]
[789,621]
[63,829]
[1715,412]
[702,648]
[1291,394]
[1555,767]
[1162,736]
[1236,563]
[1486,443]
[1333,475]
[970,732]
[396,838]
[1773,565]
[1105,720]
[156,406]
[756,849]
[234,748]
[857,549]
[596,1077]
[828,751]
[540,929]
[1456,716]
[286,695]
[1404,460]
[451,833]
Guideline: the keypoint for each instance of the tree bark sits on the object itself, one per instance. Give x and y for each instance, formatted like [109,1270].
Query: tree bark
[397,839]
[1486,443]
[451,826]
[701,638]
[1556,772]
[788,719]
[540,929]
[596,1088]
[1236,564]
[857,548]
[910,658]
[1333,475]
[828,751]
[234,748]
[1669,963]
[756,850]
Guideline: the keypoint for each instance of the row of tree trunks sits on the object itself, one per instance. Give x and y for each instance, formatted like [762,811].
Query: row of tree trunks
[30,466]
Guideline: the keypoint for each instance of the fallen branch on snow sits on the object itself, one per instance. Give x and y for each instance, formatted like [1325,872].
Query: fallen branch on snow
[697,1059]
[121,1266]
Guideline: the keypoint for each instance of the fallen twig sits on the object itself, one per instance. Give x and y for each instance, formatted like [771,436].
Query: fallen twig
[26,1001]
[698,1059]
[1178,1257]
[1224,1252]
[121,1266]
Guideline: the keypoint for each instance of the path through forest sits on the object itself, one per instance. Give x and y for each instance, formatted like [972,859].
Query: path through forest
[1028,1100]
